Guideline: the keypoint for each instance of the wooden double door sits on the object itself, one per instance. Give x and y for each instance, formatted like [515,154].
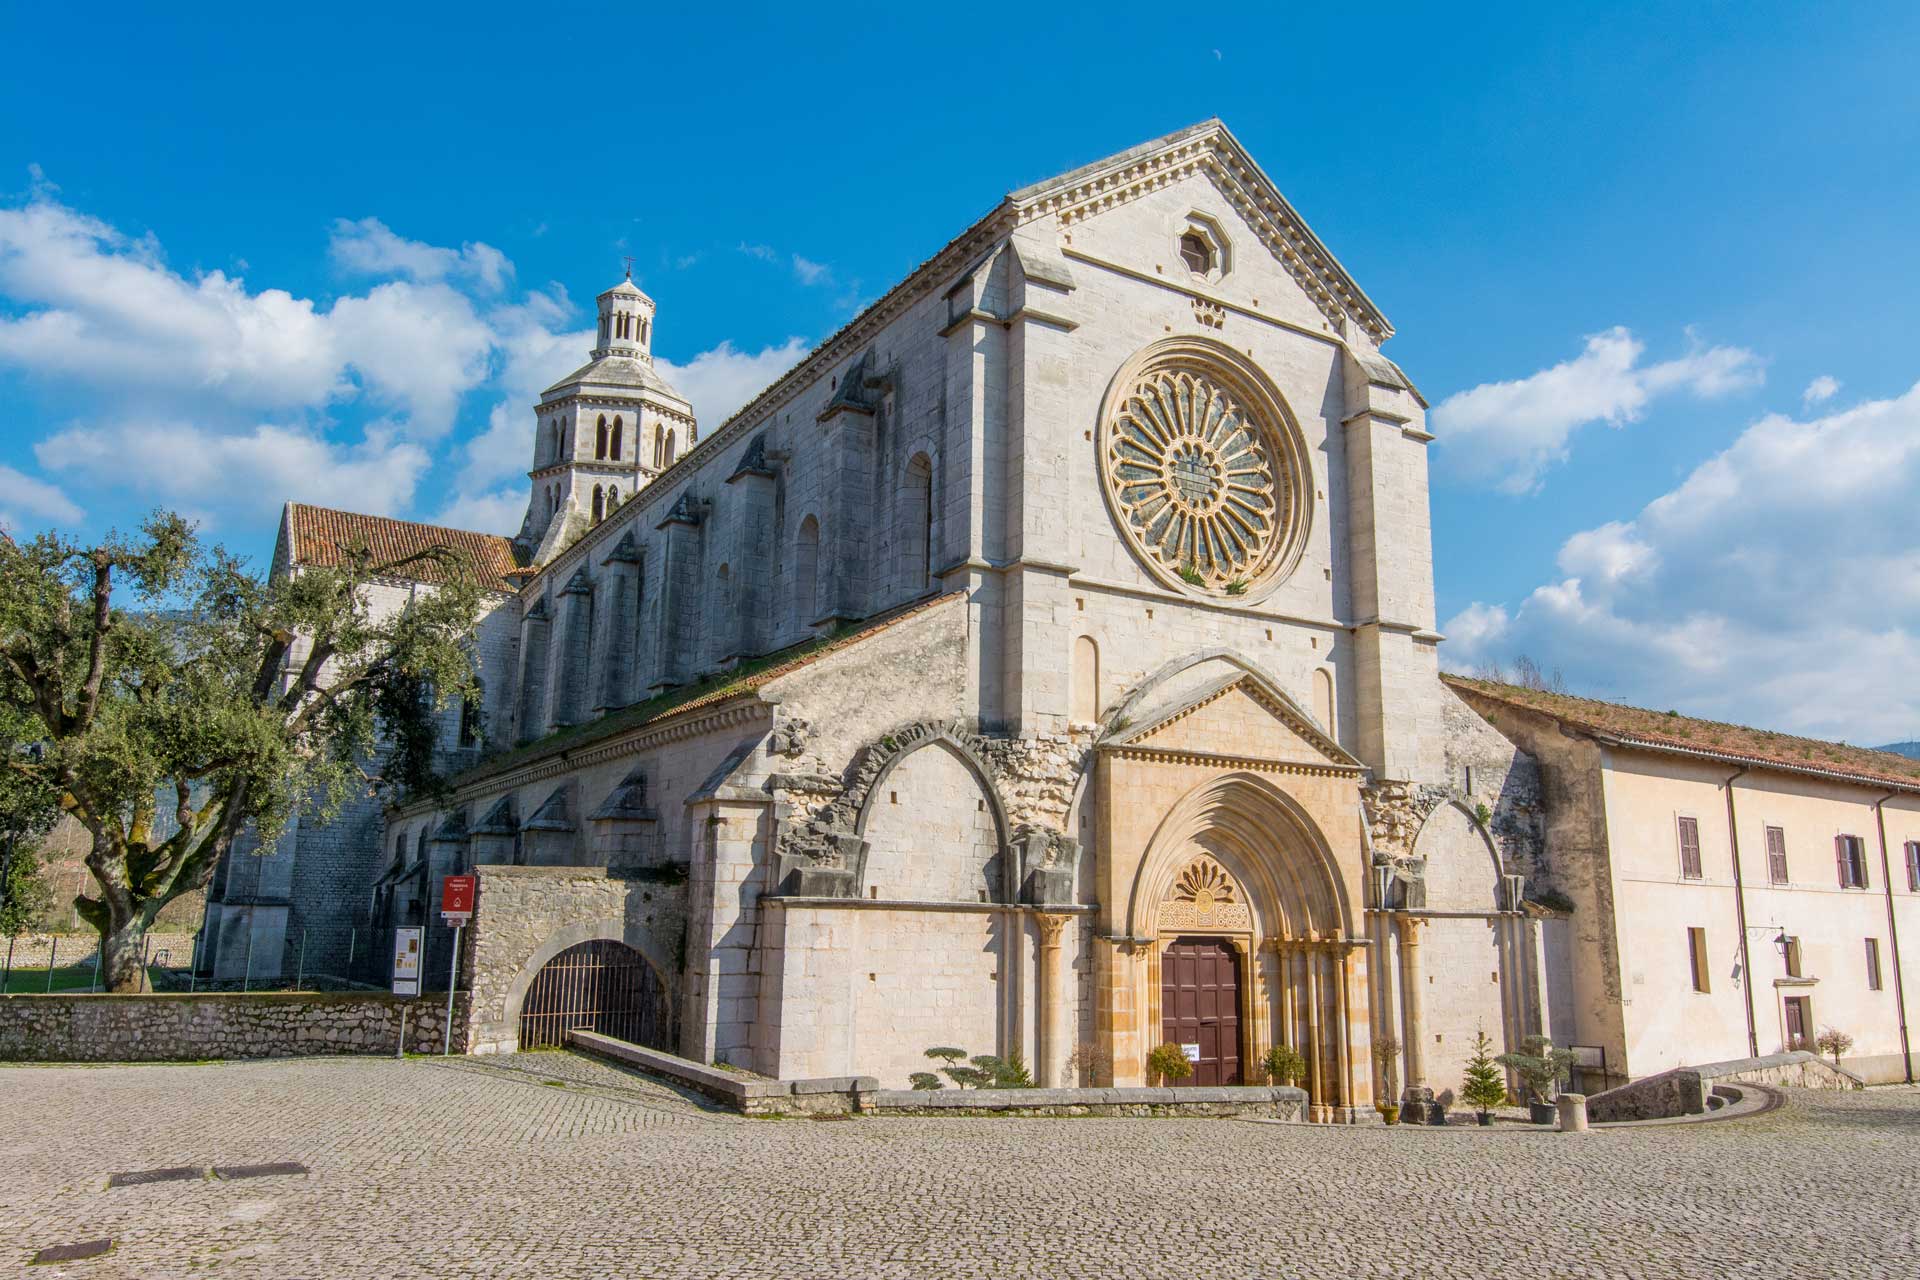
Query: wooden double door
[1200,1007]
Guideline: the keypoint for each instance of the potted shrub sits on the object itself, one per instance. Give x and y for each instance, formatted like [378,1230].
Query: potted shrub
[1168,1064]
[1543,1069]
[1484,1088]
[1833,1042]
[1386,1055]
[1283,1066]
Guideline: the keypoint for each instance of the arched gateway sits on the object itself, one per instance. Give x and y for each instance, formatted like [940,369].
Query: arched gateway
[598,985]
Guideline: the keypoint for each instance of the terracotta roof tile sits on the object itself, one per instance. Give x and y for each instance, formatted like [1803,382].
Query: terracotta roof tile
[321,537]
[1670,731]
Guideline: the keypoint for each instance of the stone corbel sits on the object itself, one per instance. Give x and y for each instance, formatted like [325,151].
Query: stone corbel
[1049,861]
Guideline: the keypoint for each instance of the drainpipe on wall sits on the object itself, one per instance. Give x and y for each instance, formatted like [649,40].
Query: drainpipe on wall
[1740,906]
[1893,932]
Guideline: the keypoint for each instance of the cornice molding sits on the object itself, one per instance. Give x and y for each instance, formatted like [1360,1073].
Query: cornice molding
[1211,759]
[562,760]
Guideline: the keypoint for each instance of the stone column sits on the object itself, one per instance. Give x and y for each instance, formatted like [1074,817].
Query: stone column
[1289,1028]
[1342,1026]
[1413,998]
[1052,1039]
[1314,1033]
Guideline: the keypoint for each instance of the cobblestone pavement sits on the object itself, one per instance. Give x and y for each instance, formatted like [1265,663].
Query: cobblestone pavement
[554,1166]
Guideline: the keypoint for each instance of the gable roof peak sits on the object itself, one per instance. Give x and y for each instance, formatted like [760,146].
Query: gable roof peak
[1209,147]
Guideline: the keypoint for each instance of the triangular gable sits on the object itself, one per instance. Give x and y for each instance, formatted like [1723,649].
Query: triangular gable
[1210,147]
[1241,716]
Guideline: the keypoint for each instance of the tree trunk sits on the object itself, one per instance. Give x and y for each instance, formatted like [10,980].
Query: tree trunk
[122,948]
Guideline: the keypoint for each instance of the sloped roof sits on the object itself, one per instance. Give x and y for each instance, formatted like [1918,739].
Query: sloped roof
[1623,725]
[749,677]
[322,536]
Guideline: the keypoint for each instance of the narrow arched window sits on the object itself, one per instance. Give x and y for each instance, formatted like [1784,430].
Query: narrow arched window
[806,568]
[598,500]
[613,498]
[1086,682]
[1323,704]
[644,327]
[470,714]
[618,428]
[553,438]
[659,447]
[916,520]
[600,438]
[669,455]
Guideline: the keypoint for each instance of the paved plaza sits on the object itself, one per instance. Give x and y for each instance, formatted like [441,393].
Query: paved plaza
[552,1165]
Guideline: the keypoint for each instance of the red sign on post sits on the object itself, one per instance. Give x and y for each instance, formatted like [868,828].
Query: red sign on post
[456,899]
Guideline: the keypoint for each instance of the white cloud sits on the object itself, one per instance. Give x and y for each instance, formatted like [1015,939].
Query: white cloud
[248,474]
[1820,390]
[35,497]
[497,512]
[811,272]
[1511,433]
[368,247]
[720,380]
[103,310]
[1778,584]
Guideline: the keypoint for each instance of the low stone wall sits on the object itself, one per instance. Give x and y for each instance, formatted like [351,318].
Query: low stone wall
[181,1027]
[1800,1069]
[34,950]
[1678,1092]
[1684,1091]
[1278,1102]
[749,1095]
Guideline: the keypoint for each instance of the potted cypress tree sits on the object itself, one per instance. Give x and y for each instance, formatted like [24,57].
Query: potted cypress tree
[1386,1053]
[1543,1068]
[1484,1088]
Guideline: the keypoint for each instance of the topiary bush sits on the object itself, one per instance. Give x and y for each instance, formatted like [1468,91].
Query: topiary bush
[1168,1063]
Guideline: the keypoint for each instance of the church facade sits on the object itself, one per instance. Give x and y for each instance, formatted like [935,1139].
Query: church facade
[1046,664]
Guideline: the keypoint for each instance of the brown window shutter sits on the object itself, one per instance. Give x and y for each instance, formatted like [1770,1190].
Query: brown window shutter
[1840,858]
[1690,848]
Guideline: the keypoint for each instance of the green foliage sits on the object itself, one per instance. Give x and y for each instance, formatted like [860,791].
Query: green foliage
[1833,1042]
[1168,1063]
[982,1071]
[1543,1067]
[1192,576]
[1483,1087]
[1238,587]
[24,897]
[1482,814]
[1283,1065]
[148,669]
[925,1080]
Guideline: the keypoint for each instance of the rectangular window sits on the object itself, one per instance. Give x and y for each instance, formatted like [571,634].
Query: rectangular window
[1690,848]
[1793,958]
[1873,964]
[1697,957]
[1776,855]
[1850,858]
[1913,866]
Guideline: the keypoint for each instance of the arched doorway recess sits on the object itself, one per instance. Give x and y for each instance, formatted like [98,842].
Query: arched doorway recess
[598,985]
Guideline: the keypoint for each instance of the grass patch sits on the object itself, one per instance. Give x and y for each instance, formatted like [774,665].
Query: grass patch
[26,982]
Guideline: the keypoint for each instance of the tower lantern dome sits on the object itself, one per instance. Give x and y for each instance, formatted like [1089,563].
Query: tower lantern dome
[626,323]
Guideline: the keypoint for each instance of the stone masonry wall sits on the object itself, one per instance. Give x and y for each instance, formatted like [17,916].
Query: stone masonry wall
[177,1027]
[34,950]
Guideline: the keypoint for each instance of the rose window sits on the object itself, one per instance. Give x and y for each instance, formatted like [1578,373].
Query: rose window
[1199,481]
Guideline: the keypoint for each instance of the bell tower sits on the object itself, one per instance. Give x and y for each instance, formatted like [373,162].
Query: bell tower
[602,432]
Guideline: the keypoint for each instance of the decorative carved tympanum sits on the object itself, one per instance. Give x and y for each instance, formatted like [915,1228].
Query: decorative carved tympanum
[1205,896]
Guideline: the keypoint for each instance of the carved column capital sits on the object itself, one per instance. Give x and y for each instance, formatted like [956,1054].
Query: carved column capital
[1051,926]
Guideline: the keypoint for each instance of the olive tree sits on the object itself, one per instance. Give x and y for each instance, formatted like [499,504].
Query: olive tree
[168,698]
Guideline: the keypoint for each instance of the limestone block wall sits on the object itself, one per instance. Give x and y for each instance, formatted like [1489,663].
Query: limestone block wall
[865,990]
[524,916]
[187,1027]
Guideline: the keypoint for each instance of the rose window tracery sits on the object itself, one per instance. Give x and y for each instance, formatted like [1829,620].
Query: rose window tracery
[1200,479]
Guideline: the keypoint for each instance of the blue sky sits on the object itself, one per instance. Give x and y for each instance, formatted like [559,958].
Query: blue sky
[1654,266]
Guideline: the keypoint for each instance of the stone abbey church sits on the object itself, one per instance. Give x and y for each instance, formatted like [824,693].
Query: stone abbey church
[1046,663]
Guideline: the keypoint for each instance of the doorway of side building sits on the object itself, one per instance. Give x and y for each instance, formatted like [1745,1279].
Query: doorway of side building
[602,986]
[1200,1007]
[1799,1018]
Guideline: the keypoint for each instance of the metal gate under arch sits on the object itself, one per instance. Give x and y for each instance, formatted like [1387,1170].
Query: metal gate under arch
[602,986]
